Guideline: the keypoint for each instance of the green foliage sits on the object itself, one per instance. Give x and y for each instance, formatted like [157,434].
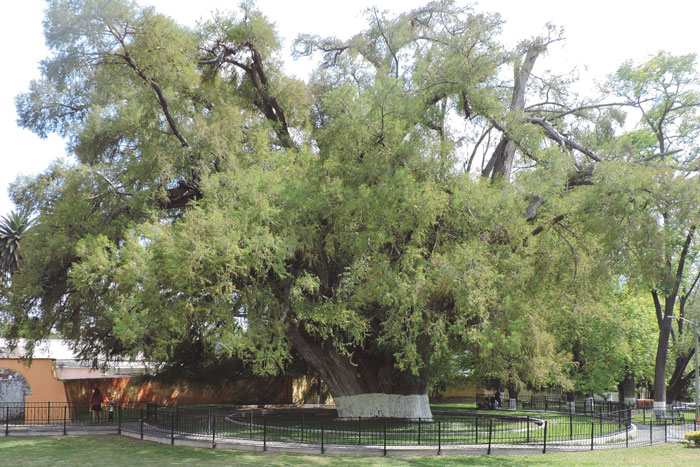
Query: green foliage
[657,212]
[213,202]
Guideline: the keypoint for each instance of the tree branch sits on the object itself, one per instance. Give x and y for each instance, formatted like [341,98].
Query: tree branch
[561,140]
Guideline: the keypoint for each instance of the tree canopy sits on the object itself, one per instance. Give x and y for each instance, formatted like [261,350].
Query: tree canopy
[424,197]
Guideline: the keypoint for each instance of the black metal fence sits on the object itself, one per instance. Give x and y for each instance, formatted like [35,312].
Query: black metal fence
[552,404]
[64,416]
[593,426]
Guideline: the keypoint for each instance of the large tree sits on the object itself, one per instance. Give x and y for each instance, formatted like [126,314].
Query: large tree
[212,199]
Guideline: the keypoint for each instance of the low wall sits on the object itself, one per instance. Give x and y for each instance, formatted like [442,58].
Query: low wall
[125,390]
[41,385]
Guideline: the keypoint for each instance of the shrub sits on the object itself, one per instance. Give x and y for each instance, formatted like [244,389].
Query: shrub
[693,436]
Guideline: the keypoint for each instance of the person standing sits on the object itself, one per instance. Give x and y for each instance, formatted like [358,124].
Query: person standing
[110,407]
[96,405]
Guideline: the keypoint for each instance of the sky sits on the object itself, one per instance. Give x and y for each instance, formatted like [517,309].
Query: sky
[600,35]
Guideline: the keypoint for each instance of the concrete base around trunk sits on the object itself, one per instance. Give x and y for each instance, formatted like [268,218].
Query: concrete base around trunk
[382,405]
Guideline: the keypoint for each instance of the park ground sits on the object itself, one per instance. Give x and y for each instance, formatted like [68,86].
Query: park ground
[116,450]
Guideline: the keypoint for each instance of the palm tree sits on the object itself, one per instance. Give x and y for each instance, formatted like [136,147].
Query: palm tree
[12,228]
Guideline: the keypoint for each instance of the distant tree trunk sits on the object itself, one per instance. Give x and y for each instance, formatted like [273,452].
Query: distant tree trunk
[679,381]
[318,389]
[366,386]
[513,390]
[626,388]
[660,365]
[666,325]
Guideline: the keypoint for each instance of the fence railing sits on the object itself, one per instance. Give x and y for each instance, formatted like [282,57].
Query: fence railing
[551,404]
[578,430]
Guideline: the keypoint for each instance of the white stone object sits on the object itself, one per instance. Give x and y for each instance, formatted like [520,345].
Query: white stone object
[384,406]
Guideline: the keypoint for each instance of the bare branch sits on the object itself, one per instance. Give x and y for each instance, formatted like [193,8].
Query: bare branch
[111,184]
[561,140]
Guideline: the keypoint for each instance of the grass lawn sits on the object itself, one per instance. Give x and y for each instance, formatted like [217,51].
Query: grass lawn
[469,428]
[115,450]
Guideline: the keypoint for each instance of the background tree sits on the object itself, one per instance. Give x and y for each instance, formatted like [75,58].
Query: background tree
[655,198]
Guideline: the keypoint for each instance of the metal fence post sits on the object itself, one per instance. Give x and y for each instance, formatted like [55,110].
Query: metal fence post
[619,419]
[418,431]
[476,430]
[119,419]
[571,425]
[322,438]
[142,423]
[600,417]
[7,420]
[439,438]
[665,432]
[359,431]
[544,446]
[592,434]
[265,433]
[250,425]
[385,438]
[48,413]
[213,431]
[651,431]
[65,412]
[527,420]
[488,452]
[627,435]
[172,429]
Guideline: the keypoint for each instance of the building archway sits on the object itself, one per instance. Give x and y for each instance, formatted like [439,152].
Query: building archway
[14,387]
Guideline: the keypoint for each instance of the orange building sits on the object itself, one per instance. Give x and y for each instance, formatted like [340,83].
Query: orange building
[55,375]
[39,379]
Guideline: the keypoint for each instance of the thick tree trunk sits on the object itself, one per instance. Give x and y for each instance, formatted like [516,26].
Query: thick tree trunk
[660,365]
[627,389]
[366,386]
